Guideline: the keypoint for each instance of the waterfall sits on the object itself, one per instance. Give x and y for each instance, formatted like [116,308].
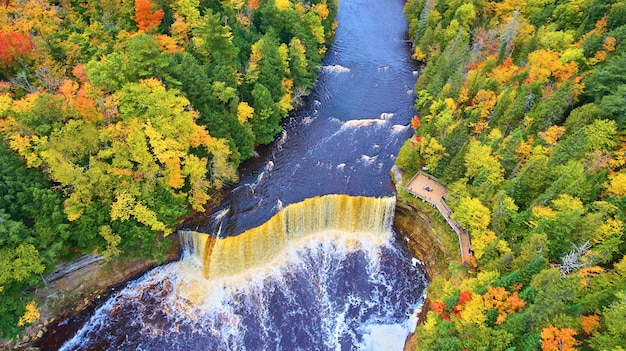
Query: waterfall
[334,282]
[257,246]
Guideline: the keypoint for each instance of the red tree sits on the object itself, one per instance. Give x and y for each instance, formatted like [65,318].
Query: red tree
[415,122]
[464,297]
[253,4]
[147,20]
[12,47]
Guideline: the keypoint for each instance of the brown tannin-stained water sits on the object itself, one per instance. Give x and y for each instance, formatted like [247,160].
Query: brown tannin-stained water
[301,255]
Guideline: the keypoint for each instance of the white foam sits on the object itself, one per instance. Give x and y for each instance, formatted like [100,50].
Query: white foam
[281,141]
[326,165]
[219,216]
[384,337]
[356,123]
[369,159]
[391,337]
[398,128]
[387,115]
[336,69]
[252,186]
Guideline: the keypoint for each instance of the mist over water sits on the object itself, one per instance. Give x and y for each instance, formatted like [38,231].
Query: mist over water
[334,287]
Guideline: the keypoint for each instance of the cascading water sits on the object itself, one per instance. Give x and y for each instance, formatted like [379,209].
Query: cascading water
[286,263]
[331,214]
[324,274]
[316,280]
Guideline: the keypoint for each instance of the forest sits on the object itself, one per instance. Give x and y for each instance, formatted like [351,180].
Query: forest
[118,118]
[522,109]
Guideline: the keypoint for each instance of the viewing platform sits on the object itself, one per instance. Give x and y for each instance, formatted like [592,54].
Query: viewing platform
[429,189]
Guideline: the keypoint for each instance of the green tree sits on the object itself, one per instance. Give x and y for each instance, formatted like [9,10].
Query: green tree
[215,46]
[216,115]
[20,263]
[21,268]
[531,180]
[614,334]
[408,157]
[611,336]
[265,123]
[27,198]
[603,81]
[138,57]
[503,210]
[298,64]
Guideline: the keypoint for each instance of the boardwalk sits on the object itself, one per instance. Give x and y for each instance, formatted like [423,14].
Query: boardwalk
[428,188]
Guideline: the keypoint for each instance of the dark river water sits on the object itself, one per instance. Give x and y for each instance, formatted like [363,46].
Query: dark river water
[345,140]
[332,290]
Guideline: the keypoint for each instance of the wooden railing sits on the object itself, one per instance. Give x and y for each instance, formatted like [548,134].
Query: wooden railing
[446,212]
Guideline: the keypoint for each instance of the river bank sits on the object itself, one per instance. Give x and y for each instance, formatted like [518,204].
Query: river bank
[66,299]
[427,237]
[423,240]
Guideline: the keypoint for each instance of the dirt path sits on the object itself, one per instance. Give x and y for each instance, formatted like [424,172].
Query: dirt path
[429,189]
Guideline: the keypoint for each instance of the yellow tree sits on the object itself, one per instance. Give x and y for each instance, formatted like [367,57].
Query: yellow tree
[441,114]
[479,158]
[152,142]
[617,184]
[187,12]
[544,65]
[431,152]
[474,216]
[244,112]
[31,315]
[552,135]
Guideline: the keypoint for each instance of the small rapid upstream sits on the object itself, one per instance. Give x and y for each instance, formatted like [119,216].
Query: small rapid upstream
[302,254]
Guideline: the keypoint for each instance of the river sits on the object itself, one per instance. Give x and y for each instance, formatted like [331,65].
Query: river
[306,257]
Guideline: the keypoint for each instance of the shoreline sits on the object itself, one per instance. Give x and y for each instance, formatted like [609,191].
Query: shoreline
[414,227]
[422,232]
[68,299]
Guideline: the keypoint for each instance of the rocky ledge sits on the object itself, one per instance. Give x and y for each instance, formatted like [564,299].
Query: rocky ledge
[68,293]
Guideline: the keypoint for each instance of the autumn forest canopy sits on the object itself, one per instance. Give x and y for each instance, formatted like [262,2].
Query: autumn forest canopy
[522,110]
[118,118]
